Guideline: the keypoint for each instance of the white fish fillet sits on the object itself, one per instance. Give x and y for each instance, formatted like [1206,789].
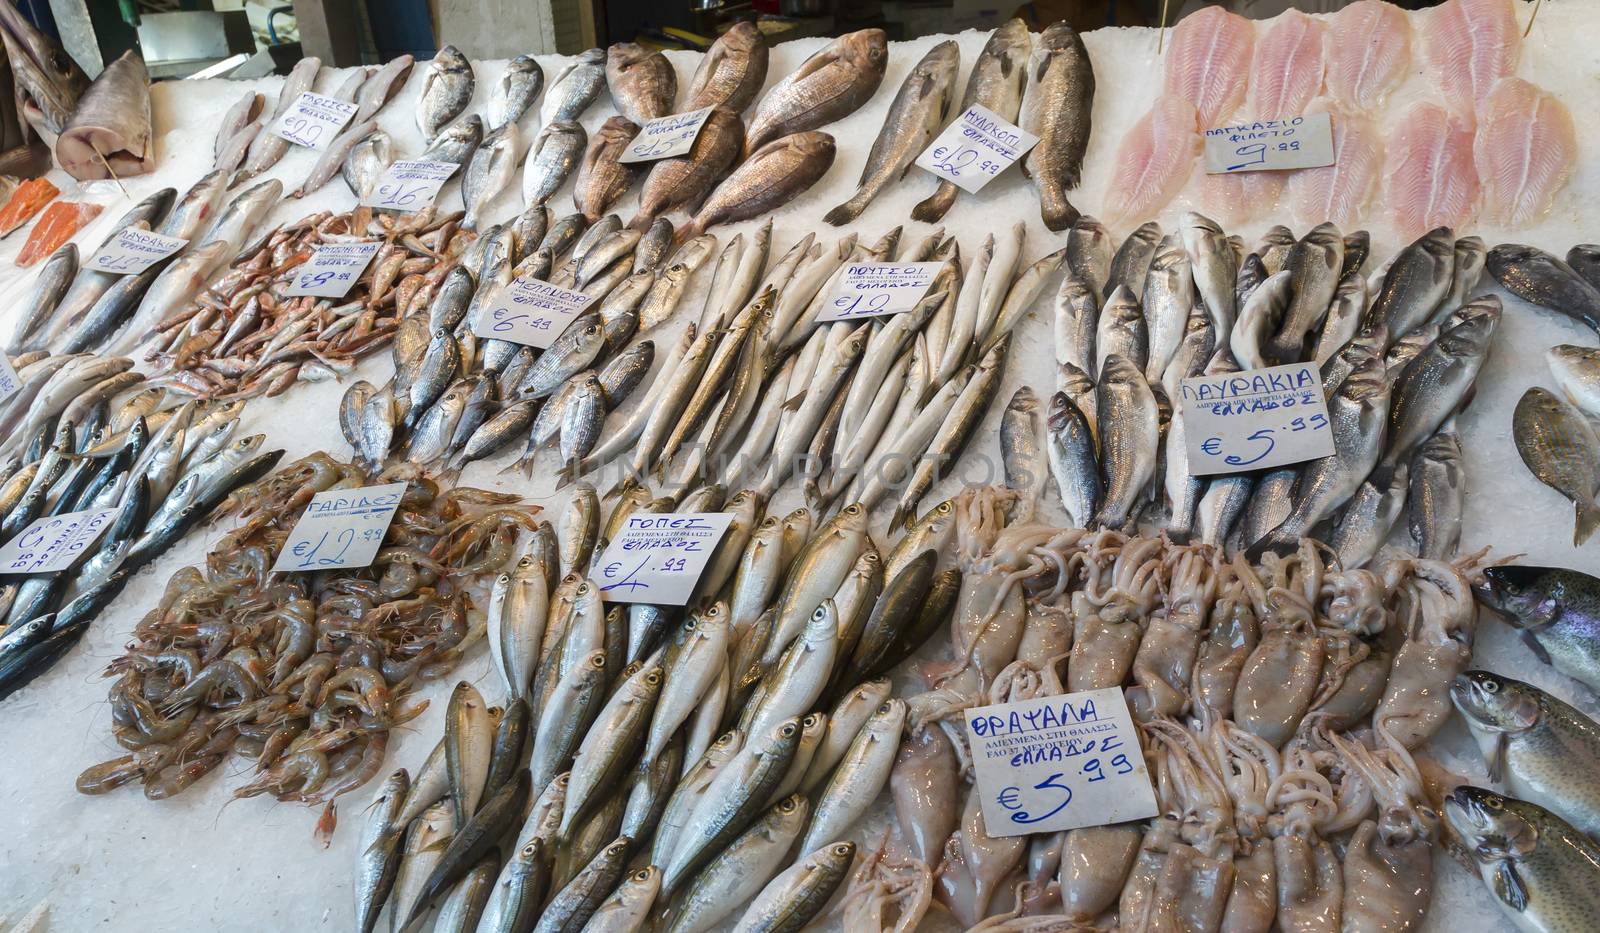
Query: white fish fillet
[1431,180]
[1208,62]
[1469,45]
[1367,50]
[1339,193]
[1153,160]
[1233,199]
[1287,70]
[1524,151]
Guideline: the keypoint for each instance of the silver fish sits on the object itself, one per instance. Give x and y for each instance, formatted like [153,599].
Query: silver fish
[1466,272]
[1089,253]
[1074,464]
[267,148]
[1434,385]
[1417,281]
[49,287]
[1215,270]
[1577,374]
[1077,317]
[1274,247]
[1562,451]
[1121,331]
[446,90]
[1130,434]
[575,88]
[1314,262]
[555,153]
[1261,318]
[1057,110]
[1020,454]
[1169,296]
[457,143]
[366,163]
[1363,526]
[382,86]
[493,163]
[515,92]
[1132,260]
[1435,497]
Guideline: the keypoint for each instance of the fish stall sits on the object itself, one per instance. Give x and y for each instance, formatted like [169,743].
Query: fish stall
[1004,481]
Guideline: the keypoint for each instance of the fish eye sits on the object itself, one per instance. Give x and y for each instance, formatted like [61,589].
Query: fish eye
[842,848]
[812,719]
[884,708]
[787,730]
[531,849]
[583,588]
[789,805]
[617,848]
[642,875]
[653,678]
[1491,686]
[1494,802]
[598,662]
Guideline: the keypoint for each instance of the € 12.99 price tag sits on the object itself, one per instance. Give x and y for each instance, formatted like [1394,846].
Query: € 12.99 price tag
[1255,420]
[976,148]
[52,543]
[410,185]
[659,558]
[1056,763]
[313,120]
[332,269]
[341,528]
[874,289]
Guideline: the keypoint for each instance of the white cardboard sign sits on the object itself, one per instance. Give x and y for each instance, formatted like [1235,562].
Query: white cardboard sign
[872,289]
[10,382]
[531,312]
[1270,145]
[410,185]
[332,269]
[52,543]
[313,120]
[658,558]
[1057,763]
[1255,420]
[134,250]
[976,148]
[665,137]
[340,528]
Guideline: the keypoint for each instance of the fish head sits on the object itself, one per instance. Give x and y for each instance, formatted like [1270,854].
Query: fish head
[617,131]
[1493,826]
[450,59]
[889,718]
[1495,704]
[867,50]
[1074,381]
[48,81]
[1485,306]
[782,740]
[1521,594]
[743,37]
[1368,383]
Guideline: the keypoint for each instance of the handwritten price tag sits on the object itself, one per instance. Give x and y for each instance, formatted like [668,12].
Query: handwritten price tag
[659,558]
[134,251]
[410,185]
[53,543]
[1270,145]
[872,289]
[1256,419]
[340,528]
[665,137]
[531,312]
[313,120]
[332,269]
[10,382]
[976,148]
[1057,763]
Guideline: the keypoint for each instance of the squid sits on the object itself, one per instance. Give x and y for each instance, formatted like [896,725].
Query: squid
[1388,862]
[1435,606]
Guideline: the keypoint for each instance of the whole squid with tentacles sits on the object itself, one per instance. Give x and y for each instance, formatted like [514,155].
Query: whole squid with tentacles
[1280,678]
[1310,882]
[1121,587]
[1230,638]
[1164,665]
[1388,862]
[1437,617]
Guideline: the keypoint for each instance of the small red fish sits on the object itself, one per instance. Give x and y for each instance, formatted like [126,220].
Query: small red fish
[28,198]
[56,226]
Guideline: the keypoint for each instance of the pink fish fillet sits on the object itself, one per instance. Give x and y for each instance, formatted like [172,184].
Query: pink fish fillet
[1524,151]
[1287,71]
[1339,193]
[1237,198]
[1431,181]
[1469,45]
[1208,62]
[1154,160]
[1368,48]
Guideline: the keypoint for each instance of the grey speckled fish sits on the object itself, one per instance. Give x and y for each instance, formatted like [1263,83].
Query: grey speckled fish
[1561,449]
[1557,610]
[1544,873]
[1057,108]
[446,91]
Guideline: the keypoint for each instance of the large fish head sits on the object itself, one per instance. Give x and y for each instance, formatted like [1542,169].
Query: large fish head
[1521,594]
[1495,704]
[48,81]
[867,50]
[1493,827]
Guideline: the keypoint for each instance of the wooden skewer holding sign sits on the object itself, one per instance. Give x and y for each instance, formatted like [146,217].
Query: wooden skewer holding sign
[1536,5]
[1161,28]
[101,156]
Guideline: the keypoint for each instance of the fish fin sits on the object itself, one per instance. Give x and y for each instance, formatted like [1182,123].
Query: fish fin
[1587,520]
[1508,885]
[795,401]
[847,211]
[1529,639]
[1496,764]
[513,465]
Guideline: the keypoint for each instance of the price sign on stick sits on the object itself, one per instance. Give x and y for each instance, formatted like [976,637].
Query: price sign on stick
[134,250]
[313,120]
[659,558]
[665,137]
[410,185]
[341,528]
[1270,145]
[54,542]
[1058,763]
[531,312]
[873,289]
[332,269]
[976,148]
[9,381]
[1254,420]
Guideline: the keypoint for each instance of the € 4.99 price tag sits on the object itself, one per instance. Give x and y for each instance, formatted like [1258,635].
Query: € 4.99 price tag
[1270,145]
[1255,420]
[976,148]
[332,269]
[665,137]
[52,543]
[313,120]
[873,289]
[659,558]
[410,185]
[1057,763]
[341,528]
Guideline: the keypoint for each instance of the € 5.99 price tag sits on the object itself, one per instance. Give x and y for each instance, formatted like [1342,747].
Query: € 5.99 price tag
[531,312]
[341,528]
[134,250]
[659,558]
[1058,763]
[332,269]
[52,543]
[976,148]
[313,120]
[410,185]
[1255,420]
[1270,145]
[873,289]
[665,137]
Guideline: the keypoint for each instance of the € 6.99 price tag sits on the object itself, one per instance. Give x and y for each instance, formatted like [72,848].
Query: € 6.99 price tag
[531,312]
[1270,145]
[872,289]
[54,542]
[665,137]
[134,250]
[313,120]
[1255,420]
[1058,763]
[659,558]
[341,528]
[410,185]
[976,148]
[332,269]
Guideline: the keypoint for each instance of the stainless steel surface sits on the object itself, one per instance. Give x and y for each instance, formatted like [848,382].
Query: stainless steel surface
[194,36]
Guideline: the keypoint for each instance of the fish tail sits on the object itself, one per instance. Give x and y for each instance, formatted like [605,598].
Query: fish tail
[933,208]
[847,211]
[1057,212]
[1588,519]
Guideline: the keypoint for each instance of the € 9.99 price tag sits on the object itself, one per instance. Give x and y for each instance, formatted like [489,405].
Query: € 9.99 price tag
[332,269]
[873,289]
[658,558]
[531,312]
[52,543]
[976,148]
[1270,145]
[313,120]
[665,137]
[410,185]
[340,528]
[1255,420]
[1057,763]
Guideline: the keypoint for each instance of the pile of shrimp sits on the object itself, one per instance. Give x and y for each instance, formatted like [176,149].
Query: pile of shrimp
[306,673]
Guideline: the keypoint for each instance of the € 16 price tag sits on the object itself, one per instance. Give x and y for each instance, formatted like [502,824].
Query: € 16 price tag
[873,289]
[135,250]
[1058,763]
[10,382]
[1254,420]
[313,120]
[54,542]
[665,137]
[531,312]
[1270,145]
[340,528]
[332,269]
[974,149]
[659,558]
[410,185]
